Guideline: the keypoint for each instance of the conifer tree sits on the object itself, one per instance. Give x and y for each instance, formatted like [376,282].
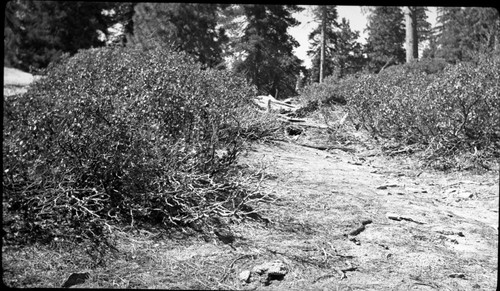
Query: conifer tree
[322,41]
[265,49]
[190,27]
[386,37]
[40,31]
[348,54]
[461,33]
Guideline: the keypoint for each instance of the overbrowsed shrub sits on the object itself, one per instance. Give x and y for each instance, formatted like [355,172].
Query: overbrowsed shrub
[117,136]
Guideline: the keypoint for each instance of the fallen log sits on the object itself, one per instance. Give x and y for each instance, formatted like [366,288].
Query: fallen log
[269,103]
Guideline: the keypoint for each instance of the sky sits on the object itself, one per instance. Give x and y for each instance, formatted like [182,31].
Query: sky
[352,13]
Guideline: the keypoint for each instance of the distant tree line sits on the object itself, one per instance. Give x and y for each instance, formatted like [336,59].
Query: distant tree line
[460,34]
[253,37]
[251,40]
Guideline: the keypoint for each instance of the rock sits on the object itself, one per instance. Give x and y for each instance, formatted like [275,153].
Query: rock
[245,276]
[75,279]
[277,268]
[269,271]
[465,195]
[274,268]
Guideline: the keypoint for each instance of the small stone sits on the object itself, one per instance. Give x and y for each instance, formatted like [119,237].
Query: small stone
[245,276]
[466,195]
[277,268]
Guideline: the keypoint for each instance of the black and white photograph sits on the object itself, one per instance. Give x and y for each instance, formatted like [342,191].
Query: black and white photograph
[250,146]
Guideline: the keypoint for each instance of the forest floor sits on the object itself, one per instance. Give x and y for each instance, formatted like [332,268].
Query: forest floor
[340,219]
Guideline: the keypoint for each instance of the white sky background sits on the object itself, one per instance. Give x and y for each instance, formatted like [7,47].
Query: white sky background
[353,14]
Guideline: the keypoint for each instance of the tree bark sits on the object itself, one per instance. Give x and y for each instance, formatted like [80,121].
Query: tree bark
[411,44]
[323,42]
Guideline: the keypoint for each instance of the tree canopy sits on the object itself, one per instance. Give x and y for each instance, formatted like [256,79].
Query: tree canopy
[323,15]
[386,36]
[190,27]
[38,32]
[463,32]
[265,49]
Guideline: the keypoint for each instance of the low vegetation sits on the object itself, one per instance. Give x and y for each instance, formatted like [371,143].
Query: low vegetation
[437,110]
[116,138]
[115,143]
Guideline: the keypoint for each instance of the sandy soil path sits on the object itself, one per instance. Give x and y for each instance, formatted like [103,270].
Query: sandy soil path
[447,238]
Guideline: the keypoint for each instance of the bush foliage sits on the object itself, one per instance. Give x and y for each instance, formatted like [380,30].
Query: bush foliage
[317,95]
[441,109]
[117,136]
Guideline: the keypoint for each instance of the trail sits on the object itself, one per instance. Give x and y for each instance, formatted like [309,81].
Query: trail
[447,239]
[338,220]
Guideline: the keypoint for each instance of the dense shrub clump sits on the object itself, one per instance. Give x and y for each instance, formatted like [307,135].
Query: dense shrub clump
[118,136]
[441,109]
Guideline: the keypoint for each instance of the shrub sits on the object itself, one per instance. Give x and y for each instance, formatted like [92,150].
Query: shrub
[117,136]
[427,66]
[319,94]
[448,112]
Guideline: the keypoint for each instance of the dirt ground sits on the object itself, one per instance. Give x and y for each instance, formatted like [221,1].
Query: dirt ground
[448,241]
[342,219]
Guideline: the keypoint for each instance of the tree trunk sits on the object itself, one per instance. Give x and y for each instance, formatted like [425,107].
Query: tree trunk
[411,44]
[323,42]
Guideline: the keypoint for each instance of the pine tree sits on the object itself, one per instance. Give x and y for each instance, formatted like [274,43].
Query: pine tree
[424,29]
[11,38]
[463,32]
[322,41]
[386,35]
[46,29]
[190,27]
[348,55]
[265,49]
